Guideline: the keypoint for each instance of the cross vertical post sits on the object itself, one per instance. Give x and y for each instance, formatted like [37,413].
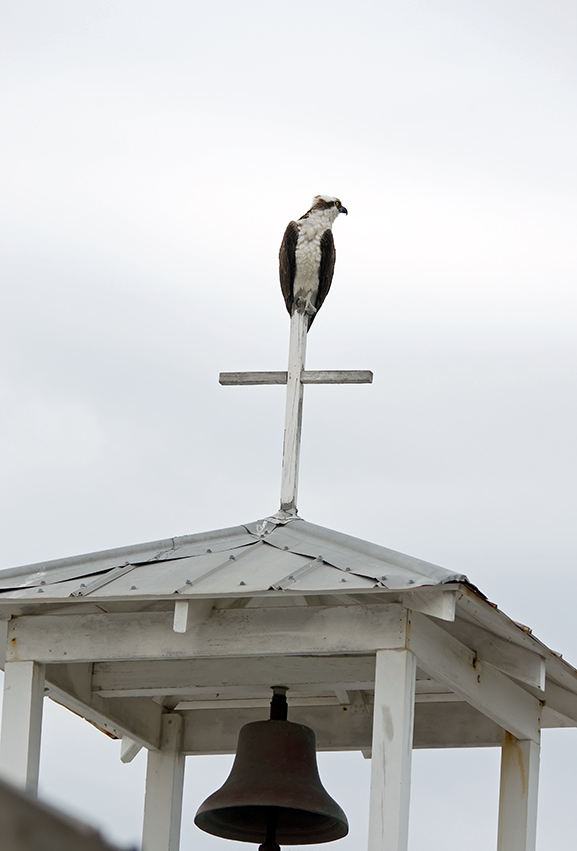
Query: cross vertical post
[294,411]
[295,378]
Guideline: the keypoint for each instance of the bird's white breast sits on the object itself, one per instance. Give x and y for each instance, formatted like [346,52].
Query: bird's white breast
[308,253]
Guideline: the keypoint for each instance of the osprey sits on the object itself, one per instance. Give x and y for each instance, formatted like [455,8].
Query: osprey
[307,256]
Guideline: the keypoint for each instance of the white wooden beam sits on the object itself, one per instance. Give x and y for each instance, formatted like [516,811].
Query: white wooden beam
[432,601]
[562,703]
[22,724]
[139,718]
[180,622]
[253,703]
[228,632]
[518,796]
[164,784]
[525,665]
[129,749]
[188,614]
[392,745]
[228,676]
[454,725]
[481,685]
[345,728]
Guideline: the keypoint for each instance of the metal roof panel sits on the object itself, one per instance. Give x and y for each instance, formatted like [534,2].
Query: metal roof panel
[261,555]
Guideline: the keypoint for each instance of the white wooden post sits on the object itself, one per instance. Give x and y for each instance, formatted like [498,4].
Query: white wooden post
[164,783]
[22,724]
[392,746]
[294,411]
[295,378]
[518,797]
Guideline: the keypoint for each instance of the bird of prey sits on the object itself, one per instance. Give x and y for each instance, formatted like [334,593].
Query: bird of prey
[307,256]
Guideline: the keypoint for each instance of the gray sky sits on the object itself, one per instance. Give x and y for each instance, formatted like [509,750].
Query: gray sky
[153,154]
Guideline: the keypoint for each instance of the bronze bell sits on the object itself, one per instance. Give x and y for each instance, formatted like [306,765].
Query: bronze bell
[274,792]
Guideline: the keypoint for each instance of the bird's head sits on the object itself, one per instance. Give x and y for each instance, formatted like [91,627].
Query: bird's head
[326,202]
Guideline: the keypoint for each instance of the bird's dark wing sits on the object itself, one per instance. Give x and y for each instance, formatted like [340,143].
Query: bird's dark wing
[326,269]
[287,263]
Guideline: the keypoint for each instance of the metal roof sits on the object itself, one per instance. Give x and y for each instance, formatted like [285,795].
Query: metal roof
[277,554]
[283,561]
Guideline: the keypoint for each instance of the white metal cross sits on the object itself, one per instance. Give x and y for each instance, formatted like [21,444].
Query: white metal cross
[295,379]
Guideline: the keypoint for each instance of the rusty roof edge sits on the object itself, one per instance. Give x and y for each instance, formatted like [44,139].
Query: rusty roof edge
[558,669]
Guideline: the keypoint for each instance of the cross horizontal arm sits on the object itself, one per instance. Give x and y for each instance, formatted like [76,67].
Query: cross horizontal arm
[337,376]
[243,378]
[324,376]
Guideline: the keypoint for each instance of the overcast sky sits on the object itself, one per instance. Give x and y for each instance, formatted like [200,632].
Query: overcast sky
[153,153]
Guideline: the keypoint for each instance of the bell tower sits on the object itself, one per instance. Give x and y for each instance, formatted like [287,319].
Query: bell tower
[174,645]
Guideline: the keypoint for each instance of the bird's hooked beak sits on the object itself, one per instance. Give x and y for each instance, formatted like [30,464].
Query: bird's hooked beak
[341,209]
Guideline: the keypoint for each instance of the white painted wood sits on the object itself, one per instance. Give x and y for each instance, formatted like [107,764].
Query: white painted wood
[563,703]
[224,702]
[180,622]
[343,696]
[476,611]
[454,725]
[139,718]
[481,685]
[228,632]
[312,376]
[345,728]
[518,795]
[337,376]
[392,744]
[231,379]
[294,378]
[525,665]
[432,601]
[188,614]
[294,411]
[439,697]
[164,784]
[129,749]
[252,702]
[229,675]
[3,641]
[22,724]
